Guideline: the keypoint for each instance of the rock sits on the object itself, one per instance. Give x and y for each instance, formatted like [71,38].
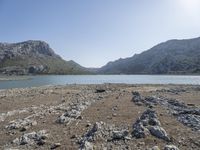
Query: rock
[21,124]
[23,129]
[190,104]
[139,131]
[114,108]
[190,120]
[154,122]
[55,145]
[88,124]
[32,138]
[89,137]
[62,119]
[159,132]
[140,144]
[149,123]
[101,131]
[79,117]
[118,135]
[87,146]
[41,142]
[137,99]
[189,116]
[109,117]
[170,147]
[73,112]
[148,101]
[100,90]
[114,114]
[151,101]
[37,69]
[73,136]
[155,148]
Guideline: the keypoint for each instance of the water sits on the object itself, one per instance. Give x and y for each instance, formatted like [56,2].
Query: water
[99,79]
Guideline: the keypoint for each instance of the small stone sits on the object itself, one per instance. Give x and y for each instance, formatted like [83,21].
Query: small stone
[170,147]
[73,136]
[34,123]
[23,129]
[109,117]
[88,146]
[88,124]
[114,114]
[80,117]
[55,145]
[41,142]
[100,90]
[141,144]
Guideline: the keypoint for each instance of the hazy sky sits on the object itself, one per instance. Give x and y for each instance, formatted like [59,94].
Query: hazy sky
[93,32]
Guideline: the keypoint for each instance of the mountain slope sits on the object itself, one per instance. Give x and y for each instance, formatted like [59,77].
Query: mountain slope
[35,57]
[171,57]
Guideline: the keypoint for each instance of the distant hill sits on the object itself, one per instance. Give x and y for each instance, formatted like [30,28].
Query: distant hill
[171,57]
[34,57]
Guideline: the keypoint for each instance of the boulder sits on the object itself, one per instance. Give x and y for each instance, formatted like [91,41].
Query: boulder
[159,132]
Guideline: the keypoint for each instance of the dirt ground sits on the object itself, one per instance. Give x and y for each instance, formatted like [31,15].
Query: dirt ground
[108,103]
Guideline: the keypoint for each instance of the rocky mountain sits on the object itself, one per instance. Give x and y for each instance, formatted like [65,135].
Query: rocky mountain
[171,57]
[34,57]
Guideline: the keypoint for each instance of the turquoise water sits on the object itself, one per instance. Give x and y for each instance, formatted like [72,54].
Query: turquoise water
[99,79]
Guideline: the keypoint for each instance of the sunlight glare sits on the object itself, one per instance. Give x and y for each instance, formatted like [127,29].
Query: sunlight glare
[191,7]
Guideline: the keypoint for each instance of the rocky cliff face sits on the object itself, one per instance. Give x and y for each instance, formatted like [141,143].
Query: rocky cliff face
[23,49]
[34,57]
[171,57]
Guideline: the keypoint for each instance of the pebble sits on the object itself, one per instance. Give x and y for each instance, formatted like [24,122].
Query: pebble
[55,145]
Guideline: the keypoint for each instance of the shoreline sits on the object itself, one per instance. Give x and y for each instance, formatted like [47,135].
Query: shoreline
[14,78]
[92,84]
[107,113]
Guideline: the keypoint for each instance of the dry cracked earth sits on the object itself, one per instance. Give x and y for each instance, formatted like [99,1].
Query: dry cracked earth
[107,116]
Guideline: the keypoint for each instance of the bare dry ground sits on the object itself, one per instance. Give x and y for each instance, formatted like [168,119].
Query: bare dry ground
[99,117]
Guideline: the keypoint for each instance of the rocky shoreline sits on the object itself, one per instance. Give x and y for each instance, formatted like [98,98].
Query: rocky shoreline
[107,116]
[12,78]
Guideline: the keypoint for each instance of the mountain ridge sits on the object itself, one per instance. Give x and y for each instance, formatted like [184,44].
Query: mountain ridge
[170,57]
[34,57]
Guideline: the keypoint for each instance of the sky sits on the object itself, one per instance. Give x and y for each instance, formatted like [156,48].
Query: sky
[94,32]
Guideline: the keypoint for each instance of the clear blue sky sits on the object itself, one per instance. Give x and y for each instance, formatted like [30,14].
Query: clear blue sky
[93,32]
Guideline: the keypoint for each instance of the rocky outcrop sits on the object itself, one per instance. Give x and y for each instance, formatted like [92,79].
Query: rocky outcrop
[34,57]
[74,110]
[102,131]
[189,116]
[147,124]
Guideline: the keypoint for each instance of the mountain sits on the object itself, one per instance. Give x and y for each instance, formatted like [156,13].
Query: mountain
[171,57]
[34,57]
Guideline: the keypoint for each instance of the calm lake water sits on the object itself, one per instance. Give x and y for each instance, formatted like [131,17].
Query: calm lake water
[99,79]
